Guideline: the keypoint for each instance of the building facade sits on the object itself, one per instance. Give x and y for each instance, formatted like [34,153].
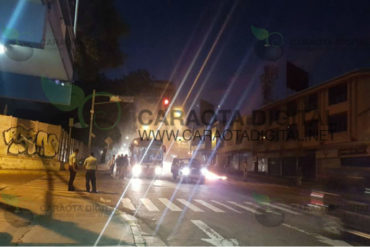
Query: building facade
[321,130]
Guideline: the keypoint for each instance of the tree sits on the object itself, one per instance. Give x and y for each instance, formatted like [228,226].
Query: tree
[99,31]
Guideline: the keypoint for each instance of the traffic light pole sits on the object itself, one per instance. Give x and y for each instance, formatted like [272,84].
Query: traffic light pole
[91,121]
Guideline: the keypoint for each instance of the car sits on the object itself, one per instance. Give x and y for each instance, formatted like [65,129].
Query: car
[188,170]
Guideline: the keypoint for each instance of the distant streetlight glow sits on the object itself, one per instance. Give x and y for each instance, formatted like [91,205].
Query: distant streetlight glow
[127,137]
[2,49]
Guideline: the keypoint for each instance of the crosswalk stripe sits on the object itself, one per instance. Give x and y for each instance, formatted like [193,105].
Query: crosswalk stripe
[252,210]
[169,204]
[281,208]
[226,206]
[149,205]
[210,206]
[261,208]
[126,202]
[253,204]
[189,205]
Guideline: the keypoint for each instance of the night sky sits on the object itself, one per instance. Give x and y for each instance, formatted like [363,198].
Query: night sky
[171,39]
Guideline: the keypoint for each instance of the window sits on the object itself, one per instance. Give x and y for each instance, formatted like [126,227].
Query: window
[292,108]
[311,103]
[338,94]
[311,128]
[292,132]
[356,161]
[337,123]
[274,115]
[274,166]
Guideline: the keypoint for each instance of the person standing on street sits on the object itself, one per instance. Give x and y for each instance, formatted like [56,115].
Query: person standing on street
[125,165]
[245,169]
[111,164]
[90,166]
[72,167]
[120,166]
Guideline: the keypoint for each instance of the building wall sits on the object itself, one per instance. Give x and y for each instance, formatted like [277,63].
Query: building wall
[27,144]
[348,147]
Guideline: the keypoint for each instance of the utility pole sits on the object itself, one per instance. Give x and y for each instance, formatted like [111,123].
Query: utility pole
[69,148]
[91,121]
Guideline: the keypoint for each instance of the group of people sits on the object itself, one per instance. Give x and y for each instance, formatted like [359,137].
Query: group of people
[121,164]
[90,165]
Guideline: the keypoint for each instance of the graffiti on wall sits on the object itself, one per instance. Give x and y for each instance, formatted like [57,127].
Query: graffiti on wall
[20,140]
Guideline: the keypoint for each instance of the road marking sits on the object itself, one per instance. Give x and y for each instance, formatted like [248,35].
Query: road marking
[189,205]
[319,237]
[149,205]
[252,210]
[126,202]
[281,208]
[210,206]
[214,237]
[361,234]
[169,204]
[226,206]
[263,210]
[253,204]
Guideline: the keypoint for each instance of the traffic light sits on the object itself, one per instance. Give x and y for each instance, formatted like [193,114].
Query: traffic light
[165,102]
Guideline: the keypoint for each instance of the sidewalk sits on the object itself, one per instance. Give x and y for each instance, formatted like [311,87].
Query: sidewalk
[43,212]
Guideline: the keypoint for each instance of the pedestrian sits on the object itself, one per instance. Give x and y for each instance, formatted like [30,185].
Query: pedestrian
[72,167]
[299,175]
[125,165]
[111,164]
[90,166]
[121,164]
[245,169]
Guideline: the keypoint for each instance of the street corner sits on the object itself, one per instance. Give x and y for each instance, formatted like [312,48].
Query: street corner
[142,234]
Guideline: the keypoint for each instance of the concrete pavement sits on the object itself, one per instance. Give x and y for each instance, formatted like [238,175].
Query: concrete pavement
[158,212]
[42,211]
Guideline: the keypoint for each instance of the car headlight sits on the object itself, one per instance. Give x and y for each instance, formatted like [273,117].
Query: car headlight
[185,171]
[204,171]
[158,170]
[136,170]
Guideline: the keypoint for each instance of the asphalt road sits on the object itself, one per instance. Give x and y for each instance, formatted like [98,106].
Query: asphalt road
[223,213]
[168,212]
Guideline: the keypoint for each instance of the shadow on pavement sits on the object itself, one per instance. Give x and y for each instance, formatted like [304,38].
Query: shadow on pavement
[5,238]
[67,229]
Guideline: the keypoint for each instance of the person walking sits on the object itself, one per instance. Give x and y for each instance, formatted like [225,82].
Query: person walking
[90,166]
[72,167]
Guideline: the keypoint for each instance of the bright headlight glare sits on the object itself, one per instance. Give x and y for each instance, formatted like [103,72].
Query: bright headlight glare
[185,171]
[136,170]
[2,48]
[203,171]
[158,170]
